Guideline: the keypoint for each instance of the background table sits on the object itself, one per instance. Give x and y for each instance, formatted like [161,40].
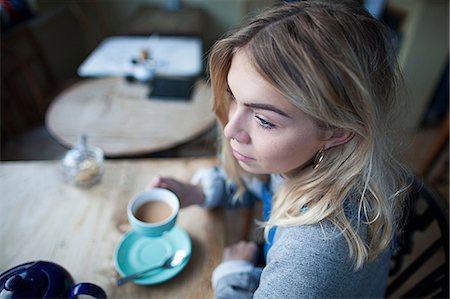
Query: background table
[118,117]
[44,218]
[173,56]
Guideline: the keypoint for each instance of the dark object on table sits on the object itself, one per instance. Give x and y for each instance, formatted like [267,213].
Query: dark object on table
[43,279]
[179,89]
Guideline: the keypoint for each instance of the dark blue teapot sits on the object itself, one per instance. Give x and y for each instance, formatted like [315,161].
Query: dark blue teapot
[43,279]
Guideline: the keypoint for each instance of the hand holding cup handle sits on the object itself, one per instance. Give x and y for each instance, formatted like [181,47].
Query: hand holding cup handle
[188,194]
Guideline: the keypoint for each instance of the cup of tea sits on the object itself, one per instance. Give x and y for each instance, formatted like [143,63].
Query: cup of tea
[153,212]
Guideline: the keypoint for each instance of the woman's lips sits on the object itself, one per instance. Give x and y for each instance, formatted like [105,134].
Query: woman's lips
[241,157]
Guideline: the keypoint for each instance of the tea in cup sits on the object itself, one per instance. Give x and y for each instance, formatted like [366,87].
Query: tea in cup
[153,212]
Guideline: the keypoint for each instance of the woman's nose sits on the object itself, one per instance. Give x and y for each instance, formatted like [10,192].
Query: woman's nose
[235,129]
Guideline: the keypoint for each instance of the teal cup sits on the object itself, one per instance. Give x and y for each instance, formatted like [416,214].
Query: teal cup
[153,212]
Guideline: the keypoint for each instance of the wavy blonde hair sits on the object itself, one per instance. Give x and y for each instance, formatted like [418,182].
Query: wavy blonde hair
[335,62]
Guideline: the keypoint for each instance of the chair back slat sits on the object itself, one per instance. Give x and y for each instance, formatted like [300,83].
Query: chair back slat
[425,207]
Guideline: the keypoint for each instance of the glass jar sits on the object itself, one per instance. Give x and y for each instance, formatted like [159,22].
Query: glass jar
[83,165]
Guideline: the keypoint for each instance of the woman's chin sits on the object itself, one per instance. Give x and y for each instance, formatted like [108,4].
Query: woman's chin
[252,168]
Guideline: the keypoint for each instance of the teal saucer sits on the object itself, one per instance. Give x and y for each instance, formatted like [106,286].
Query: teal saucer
[136,253]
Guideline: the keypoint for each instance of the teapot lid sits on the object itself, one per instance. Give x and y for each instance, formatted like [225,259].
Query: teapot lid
[35,280]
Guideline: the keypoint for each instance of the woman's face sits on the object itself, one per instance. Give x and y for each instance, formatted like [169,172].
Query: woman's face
[267,133]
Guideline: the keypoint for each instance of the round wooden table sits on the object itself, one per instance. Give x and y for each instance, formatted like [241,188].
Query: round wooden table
[118,117]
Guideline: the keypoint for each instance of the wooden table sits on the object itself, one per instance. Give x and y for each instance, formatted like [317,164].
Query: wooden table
[43,218]
[172,56]
[118,117]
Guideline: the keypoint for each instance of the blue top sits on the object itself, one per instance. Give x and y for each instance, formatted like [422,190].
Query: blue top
[267,195]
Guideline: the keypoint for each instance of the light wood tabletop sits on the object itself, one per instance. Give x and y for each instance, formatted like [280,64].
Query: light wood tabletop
[43,218]
[118,117]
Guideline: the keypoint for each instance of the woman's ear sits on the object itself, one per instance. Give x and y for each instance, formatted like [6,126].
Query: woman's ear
[337,137]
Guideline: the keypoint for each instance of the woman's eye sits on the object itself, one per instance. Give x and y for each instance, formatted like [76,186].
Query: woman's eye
[264,123]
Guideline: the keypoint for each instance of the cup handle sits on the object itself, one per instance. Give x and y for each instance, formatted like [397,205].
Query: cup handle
[86,288]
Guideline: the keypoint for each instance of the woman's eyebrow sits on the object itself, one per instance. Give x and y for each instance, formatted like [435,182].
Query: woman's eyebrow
[261,106]
[267,107]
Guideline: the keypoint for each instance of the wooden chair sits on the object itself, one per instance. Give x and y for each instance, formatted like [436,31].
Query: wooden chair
[438,147]
[422,278]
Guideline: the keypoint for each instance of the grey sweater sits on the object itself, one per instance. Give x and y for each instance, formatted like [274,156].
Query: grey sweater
[308,261]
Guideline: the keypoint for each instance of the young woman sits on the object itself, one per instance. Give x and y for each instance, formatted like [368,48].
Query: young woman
[304,93]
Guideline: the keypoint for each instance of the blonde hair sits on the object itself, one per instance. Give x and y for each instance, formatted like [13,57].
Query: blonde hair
[335,62]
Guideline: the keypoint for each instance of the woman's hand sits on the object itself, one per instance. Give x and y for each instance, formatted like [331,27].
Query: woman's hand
[242,250]
[187,193]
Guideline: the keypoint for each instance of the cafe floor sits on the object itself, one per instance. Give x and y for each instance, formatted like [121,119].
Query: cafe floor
[37,144]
